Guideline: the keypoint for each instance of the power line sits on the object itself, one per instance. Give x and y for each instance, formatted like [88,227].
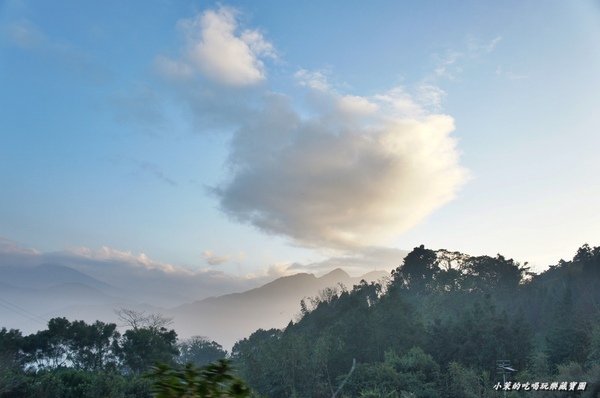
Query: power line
[22,311]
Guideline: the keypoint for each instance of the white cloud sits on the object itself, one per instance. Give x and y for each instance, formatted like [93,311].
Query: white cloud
[446,66]
[341,179]
[174,69]
[9,247]
[398,103]
[355,105]
[316,80]
[509,74]
[108,254]
[345,171]
[476,47]
[430,96]
[214,259]
[258,44]
[357,262]
[216,49]
[273,271]
[137,276]
[451,63]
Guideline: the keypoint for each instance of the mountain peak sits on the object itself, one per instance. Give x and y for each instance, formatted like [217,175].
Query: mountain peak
[337,273]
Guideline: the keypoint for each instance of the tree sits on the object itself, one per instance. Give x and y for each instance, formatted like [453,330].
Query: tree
[49,348]
[212,381]
[418,269]
[258,358]
[462,382]
[496,275]
[142,348]
[11,342]
[92,346]
[200,351]
[75,344]
[567,339]
[11,357]
[140,319]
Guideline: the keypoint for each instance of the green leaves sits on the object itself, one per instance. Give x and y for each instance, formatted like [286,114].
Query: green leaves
[200,351]
[212,381]
[141,348]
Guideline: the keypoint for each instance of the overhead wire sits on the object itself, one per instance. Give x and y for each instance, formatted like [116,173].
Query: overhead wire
[22,311]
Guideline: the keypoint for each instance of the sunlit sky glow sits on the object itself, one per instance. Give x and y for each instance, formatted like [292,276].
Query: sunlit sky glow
[262,138]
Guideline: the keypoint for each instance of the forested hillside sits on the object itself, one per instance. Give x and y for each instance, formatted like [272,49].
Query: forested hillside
[436,329]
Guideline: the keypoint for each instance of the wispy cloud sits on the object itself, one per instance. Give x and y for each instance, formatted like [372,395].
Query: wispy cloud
[357,262]
[142,277]
[447,65]
[140,106]
[214,259]
[145,279]
[27,36]
[477,47]
[316,80]
[450,64]
[273,271]
[509,74]
[10,247]
[430,96]
[217,48]
[155,171]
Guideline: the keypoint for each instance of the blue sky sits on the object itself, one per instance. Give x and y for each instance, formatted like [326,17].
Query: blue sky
[470,126]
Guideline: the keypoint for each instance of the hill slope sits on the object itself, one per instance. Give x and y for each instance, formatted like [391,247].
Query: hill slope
[233,316]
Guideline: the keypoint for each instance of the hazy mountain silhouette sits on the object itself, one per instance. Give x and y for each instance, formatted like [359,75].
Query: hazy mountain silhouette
[31,295]
[47,275]
[230,317]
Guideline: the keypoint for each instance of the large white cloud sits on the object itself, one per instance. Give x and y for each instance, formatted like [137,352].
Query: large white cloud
[343,171]
[216,48]
[358,172]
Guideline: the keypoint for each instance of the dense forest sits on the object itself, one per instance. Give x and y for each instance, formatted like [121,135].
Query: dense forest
[438,327]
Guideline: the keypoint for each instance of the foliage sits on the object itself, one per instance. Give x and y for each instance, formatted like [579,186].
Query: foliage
[200,351]
[436,330]
[75,344]
[76,359]
[141,348]
[74,383]
[212,381]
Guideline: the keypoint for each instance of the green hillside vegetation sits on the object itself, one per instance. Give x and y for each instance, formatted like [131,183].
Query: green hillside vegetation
[435,329]
[75,359]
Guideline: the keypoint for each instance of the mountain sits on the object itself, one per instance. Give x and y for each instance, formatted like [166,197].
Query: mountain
[30,296]
[47,275]
[230,317]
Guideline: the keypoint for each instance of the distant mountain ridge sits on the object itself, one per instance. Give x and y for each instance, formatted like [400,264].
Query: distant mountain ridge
[47,275]
[233,316]
[31,295]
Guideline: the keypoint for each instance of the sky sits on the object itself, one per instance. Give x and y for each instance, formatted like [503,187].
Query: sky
[257,139]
